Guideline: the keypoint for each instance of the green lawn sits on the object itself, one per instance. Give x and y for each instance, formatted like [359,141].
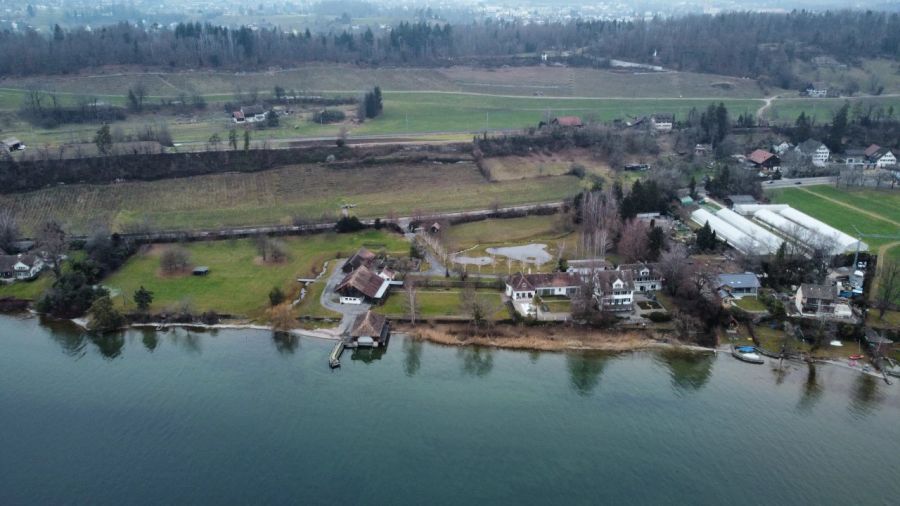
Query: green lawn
[841,217]
[438,112]
[751,304]
[310,306]
[440,303]
[28,290]
[238,282]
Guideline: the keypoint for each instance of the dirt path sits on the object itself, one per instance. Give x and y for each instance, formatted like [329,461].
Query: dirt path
[882,253]
[850,206]
[760,113]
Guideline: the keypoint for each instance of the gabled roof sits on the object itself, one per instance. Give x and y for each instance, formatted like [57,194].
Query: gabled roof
[368,325]
[252,110]
[8,262]
[519,283]
[635,269]
[665,117]
[739,280]
[809,146]
[760,156]
[11,141]
[880,153]
[871,150]
[364,281]
[362,257]
[237,115]
[827,292]
[605,280]
[569,121]
[553,280]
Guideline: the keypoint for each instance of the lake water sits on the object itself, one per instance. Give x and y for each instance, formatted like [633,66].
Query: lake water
[239,418]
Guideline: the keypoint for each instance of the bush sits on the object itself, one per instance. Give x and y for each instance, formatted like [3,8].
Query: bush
[276,296]
[175,260]
[328,116]
[659,317]
[348,224]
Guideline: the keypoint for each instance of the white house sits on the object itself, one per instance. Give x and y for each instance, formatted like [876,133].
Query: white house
[20,267]
[614,290]
[884,158]
[249,114]
[662,122]
[645,277]
[817,152]
[526,286]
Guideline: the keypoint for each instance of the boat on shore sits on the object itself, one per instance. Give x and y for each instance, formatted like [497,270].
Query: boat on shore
[747,354]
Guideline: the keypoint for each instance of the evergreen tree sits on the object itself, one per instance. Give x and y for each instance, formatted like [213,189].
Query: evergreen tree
[838,129]
[246,140]
[103,139]
[143,298]
[802,128]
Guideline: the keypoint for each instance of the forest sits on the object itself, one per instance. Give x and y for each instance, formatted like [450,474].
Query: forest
[760,45]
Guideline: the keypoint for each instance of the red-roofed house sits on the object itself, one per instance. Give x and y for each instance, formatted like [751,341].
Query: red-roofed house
[764,159]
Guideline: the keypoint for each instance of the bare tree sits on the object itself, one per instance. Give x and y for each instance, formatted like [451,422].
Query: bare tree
[174,259]
[634,243]
[51,238]
[412,304]
[9,230]
[476,308]
[673,266]
[888,287]
[281,318]
[599,222]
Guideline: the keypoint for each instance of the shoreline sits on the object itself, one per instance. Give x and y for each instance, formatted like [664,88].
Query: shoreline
[577,341]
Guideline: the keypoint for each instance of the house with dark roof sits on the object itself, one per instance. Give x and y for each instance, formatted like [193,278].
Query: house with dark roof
[527,286]
[362,285]
[370,330]
[883,158]
[614,290]
[646,277]
[821,301]
[737,285]
[20,267]
[362,258]
[815,151]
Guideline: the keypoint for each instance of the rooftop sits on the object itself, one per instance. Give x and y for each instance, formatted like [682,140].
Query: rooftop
[739,280]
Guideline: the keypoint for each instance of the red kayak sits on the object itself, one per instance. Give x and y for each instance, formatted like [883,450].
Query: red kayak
[857,357]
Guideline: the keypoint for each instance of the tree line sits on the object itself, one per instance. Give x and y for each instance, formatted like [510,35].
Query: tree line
[739,44]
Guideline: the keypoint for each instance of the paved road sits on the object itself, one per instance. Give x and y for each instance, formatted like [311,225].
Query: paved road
[330,301]
[800,181]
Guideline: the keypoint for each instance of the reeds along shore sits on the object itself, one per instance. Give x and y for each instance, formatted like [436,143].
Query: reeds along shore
[542,339]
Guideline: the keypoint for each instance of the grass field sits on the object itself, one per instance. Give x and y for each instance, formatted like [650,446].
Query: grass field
[28,290]
[441,303]
[786,110]
[276,196]
[883,207]
[238,282]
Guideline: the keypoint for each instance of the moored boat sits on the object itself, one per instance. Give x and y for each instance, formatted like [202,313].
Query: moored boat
[747,354]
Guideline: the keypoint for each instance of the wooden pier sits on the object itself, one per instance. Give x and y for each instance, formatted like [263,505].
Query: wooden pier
[334,360]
